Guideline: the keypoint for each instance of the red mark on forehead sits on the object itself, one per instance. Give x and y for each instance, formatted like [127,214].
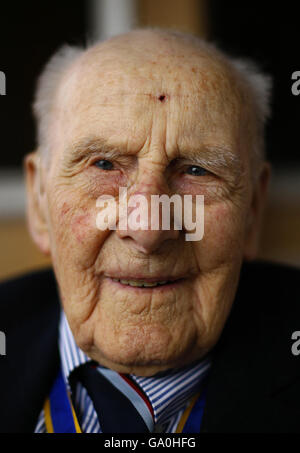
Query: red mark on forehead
[161,97]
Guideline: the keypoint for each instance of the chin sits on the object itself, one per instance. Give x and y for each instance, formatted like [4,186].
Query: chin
[142,366]
[149,368]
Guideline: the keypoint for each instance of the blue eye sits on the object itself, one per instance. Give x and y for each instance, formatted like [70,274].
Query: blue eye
[195,170]
[104,164]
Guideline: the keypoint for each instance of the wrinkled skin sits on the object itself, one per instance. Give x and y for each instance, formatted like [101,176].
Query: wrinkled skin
[111,93]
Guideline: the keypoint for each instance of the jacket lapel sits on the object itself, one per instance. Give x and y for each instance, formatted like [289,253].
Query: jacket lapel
[30,322]
[255,379]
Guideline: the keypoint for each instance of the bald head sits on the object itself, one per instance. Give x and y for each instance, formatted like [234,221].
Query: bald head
[164,63]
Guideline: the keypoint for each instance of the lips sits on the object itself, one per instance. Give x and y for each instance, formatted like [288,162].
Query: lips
[141,283]
[145,282]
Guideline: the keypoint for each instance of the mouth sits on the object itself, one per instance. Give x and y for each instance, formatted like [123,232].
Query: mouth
[147,283]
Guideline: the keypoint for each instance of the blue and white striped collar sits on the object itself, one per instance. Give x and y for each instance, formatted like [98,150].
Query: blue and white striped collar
[71,355]
[168,393]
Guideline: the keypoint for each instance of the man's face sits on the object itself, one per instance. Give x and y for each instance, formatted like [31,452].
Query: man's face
[108,108]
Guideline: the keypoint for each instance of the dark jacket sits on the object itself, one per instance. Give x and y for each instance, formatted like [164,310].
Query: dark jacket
[254,383]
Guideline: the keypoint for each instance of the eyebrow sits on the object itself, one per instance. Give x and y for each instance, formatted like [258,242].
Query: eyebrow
[88,146]
[216,157]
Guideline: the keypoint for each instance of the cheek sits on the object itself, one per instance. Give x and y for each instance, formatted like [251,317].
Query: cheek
[219,223]
[81,226]
[223,235]
[75,236]
[72,223]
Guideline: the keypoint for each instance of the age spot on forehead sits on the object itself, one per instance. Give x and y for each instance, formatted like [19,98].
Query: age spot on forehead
[162,97]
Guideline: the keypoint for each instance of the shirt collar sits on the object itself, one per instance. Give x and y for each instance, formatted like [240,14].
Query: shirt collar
[168,392]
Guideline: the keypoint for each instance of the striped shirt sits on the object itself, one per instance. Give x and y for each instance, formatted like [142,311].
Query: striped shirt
[168,393]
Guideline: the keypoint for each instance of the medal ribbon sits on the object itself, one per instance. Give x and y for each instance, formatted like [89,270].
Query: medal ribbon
[59,412]
[191,419]
[60,415]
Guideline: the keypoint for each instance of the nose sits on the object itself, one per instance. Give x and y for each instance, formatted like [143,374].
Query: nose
[148,220]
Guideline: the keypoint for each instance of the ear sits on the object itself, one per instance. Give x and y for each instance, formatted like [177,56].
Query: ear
[255,216]
[36,202]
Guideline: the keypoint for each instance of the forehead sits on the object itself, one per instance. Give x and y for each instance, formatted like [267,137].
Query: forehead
[120,95]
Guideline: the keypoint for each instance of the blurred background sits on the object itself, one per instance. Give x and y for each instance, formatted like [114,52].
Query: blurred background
[31,31]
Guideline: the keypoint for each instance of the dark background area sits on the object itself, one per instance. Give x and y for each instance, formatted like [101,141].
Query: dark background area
[31,31]
[269,33]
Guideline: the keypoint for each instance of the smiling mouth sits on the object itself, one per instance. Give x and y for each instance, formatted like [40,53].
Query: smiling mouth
[146,284]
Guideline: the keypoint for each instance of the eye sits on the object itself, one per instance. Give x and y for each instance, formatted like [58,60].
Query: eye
[195,170]
[104,164]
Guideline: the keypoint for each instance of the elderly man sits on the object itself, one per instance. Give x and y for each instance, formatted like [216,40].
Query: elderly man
[149,331]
